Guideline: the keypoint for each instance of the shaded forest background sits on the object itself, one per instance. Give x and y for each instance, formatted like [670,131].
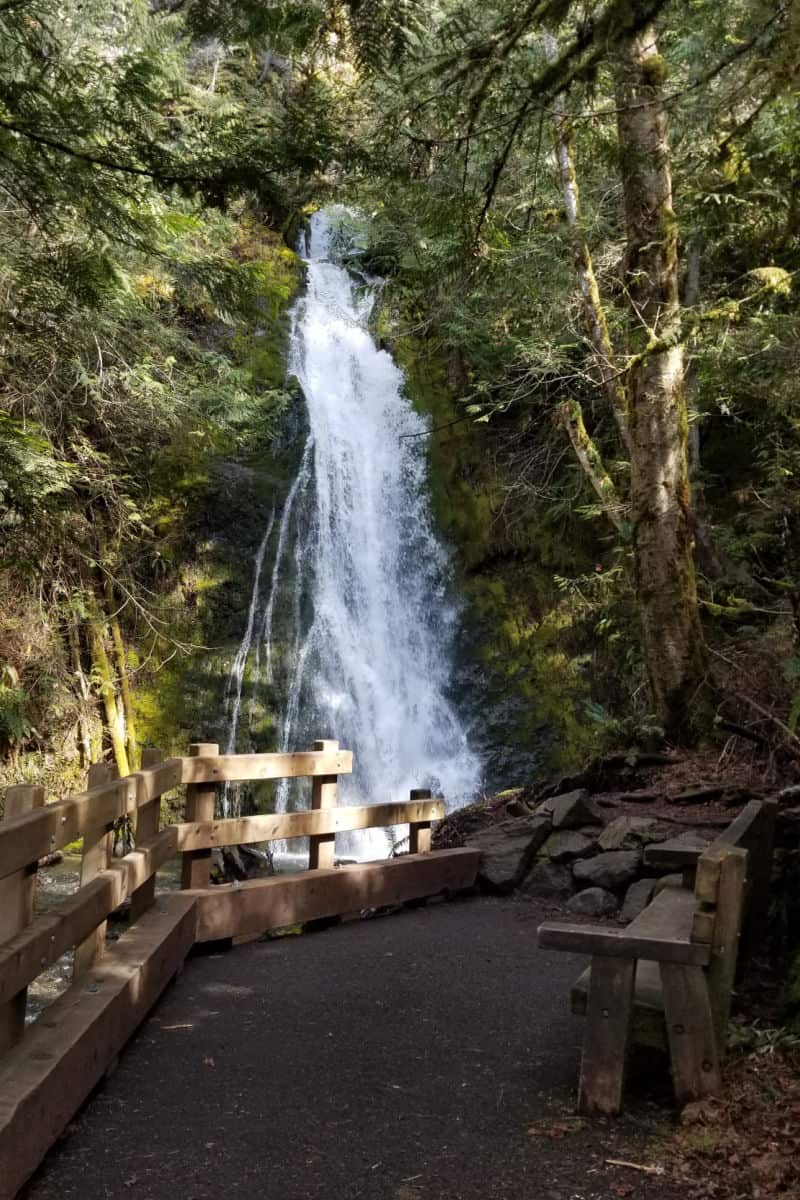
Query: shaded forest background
[156,161]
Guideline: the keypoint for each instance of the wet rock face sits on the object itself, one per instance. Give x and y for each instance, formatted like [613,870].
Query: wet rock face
[570,810]
[565,845]
[611,869]
[594,902]
[632,833]
[563,850]
[637,898]
[548,880]
[507,851]
[675,880]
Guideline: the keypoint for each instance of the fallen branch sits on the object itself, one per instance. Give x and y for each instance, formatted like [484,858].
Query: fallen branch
[791,738]
[741,731]
[620,1162]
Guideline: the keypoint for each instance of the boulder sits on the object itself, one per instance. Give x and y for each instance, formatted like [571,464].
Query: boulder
[570,810]
[631,833]
[637,898]
[565,845]
[612,869]
[666,881]
[593,902]
[549,880]
[507,850]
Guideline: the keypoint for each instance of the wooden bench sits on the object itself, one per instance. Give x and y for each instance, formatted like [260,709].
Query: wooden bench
[668,976]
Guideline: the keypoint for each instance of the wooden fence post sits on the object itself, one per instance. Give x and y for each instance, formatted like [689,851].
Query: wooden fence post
[147,822]
[323,795]
[200,797]
[96,857]
[419,836]
[721,971]
[16,911]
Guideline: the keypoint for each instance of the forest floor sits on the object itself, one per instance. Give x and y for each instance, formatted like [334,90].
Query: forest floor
[429,1055]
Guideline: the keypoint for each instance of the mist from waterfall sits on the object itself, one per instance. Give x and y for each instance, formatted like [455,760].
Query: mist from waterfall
[361,644]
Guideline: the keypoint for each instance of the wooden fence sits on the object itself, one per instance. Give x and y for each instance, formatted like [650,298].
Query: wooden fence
[49,1067]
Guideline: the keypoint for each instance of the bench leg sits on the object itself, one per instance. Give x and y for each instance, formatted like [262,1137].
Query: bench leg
[690,1032]
[605,1044]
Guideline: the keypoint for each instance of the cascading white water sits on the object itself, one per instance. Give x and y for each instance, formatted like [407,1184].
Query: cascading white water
[232,697]
[373,667]
[362,650]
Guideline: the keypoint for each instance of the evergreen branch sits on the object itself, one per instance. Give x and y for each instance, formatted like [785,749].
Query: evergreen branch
[701,82]
[96,160]
[500,164]
[615,24]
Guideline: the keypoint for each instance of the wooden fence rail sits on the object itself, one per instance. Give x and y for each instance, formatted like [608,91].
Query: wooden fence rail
[48,1069]
[30,830]
[237,831]
[32,835]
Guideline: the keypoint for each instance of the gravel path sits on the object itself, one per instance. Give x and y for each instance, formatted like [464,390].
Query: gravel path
[428,1055]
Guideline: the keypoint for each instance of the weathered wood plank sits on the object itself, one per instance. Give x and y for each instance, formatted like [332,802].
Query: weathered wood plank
[703,924]
[617,943]
[322,846]
[647,992]
[148,819]
[261,904]
[45,1079]
[661,933]
[16,911]
[51,934]
[742,829]
[200,799]
[759,874]
[605,1040]
[95,858]
[721,974]
[29,837]
[234,768]
[419,835]
[690,1032]
[237,831]
[669,914]
[671,855]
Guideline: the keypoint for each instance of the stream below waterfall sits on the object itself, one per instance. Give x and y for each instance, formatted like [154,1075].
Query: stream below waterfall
[351,621]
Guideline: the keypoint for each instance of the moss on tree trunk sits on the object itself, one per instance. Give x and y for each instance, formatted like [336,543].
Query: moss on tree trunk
[103,672]
[660,512]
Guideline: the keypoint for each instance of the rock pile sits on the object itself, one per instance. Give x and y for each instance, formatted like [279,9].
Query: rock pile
[566,849]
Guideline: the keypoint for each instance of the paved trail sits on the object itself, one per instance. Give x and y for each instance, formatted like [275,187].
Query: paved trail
[402,1058]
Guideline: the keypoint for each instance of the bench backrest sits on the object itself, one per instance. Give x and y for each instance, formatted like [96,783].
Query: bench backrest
[753,830]
[732,887]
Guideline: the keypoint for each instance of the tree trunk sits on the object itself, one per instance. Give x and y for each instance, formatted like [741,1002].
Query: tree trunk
[121,660]
[588,456]
[84,731]
[660,506]
[691,295]
[593,311]
[102,667]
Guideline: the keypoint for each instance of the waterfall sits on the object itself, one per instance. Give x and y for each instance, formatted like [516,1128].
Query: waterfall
[358,625]
[372,665]
[232,697]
